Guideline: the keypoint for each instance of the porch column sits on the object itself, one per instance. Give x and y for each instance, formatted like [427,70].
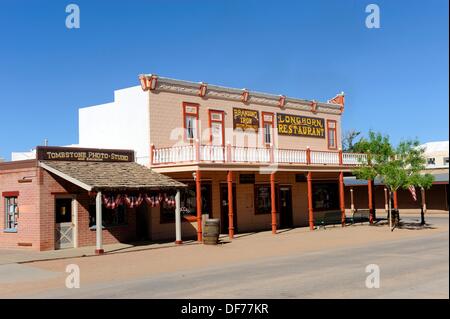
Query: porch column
[98,224]
[273,203]
[369,191]
[178,240]
[352,204]
[230,205]
[395,200]
[386,200]
[341,197]
[310,201]
[198,192]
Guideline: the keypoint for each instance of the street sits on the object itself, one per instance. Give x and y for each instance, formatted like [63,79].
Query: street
[413,267]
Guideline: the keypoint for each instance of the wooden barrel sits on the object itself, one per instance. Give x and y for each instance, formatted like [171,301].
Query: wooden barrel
[211,231]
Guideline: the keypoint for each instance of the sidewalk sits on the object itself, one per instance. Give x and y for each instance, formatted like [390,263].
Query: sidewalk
[11,256]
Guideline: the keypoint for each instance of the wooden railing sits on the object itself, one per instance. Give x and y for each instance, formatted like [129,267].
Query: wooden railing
[197,153]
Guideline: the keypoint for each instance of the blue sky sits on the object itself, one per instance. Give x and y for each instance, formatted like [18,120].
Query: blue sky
[395,78]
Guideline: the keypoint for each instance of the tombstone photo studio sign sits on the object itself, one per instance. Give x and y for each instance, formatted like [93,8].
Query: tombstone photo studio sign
[244,119]
[295,125]
[48,153]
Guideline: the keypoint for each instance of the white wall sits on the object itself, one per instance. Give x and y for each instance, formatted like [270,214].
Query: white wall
[122,124]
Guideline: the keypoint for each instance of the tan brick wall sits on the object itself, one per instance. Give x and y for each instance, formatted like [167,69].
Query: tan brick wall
[28,203]
[166,122]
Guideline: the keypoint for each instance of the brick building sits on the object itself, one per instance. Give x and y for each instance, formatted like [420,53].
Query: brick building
[53,201]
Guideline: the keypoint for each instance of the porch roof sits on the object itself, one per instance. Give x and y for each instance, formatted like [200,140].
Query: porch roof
[98,176]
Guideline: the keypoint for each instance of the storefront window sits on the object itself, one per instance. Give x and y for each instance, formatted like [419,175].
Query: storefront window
[325,196]
[188,203]
[11,213]
[262,199]
[110,217]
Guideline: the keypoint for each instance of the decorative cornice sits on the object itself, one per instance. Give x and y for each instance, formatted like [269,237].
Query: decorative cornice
[154,83]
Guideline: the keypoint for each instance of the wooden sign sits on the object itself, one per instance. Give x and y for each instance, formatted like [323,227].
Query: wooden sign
[54,153]
[295,125]
[245,119]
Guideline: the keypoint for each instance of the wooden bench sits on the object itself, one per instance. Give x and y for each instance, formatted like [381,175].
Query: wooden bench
[329,218]
[361,216]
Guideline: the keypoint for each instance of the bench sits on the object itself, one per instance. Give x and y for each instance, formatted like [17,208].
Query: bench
[361,216]
[329,218]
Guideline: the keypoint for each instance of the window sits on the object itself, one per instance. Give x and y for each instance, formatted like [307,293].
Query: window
[216,119]
[331,133]
[11,213]
[262,199]
[267,125]
[190,114]
[188,203]
[446,161]
[325,196]
[431,161]
[110,217]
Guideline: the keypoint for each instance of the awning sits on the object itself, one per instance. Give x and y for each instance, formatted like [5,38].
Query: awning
[110,176]
[441,176]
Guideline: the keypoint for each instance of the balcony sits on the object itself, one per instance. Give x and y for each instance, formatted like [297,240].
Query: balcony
[197,153]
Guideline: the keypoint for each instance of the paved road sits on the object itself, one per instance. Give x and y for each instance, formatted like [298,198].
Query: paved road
[409,268]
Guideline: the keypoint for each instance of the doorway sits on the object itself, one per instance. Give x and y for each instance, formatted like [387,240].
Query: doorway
[64,227]
[224,209]
[285,207]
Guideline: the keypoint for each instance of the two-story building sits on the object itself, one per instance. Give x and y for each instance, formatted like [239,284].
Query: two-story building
[254,160]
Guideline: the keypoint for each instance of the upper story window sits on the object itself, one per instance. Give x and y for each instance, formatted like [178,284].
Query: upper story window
[268,127]
[11,213]
[190,115]
[331,134]
[431,161]
[216,125]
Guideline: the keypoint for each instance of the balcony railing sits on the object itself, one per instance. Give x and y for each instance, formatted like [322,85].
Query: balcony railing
[197,153]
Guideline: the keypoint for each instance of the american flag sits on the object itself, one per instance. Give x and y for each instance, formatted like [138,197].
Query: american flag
[412,190]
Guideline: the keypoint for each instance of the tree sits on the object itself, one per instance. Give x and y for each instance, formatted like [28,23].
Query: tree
[378,150]
[423,181]
[398,167]
[414,160]
[348,140]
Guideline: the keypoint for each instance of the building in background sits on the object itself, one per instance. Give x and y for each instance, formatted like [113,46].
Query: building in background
[436,154]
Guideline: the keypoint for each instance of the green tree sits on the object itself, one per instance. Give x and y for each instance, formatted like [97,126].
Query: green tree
[398,167]
[378,150]
[424,182]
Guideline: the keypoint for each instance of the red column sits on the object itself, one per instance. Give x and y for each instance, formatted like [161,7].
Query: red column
[341,197]
[273,203]
[152,151]
[198,192]
[230,205]
[310,201]
[369,190]
[395,200]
